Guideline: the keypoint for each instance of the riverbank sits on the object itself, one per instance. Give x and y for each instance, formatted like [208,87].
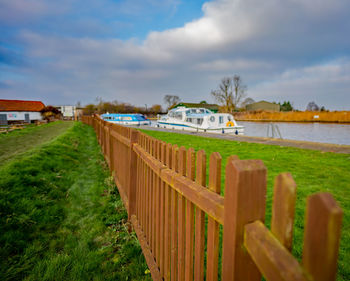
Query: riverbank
[61,215]
[324,147]
[342,117]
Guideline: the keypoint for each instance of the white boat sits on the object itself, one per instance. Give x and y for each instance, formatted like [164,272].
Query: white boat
[126,119]
[199,120]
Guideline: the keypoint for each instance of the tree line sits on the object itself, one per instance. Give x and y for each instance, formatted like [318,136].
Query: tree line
[120,107]
[231,95]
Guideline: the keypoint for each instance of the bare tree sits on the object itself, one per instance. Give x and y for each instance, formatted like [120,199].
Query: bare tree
[230,93]
[224,94]
[239,90]
[171,100]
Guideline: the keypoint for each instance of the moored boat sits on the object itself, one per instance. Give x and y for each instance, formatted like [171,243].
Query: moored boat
[126,119]
[200,120]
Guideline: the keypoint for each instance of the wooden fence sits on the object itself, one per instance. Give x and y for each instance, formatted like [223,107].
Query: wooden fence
[177,218]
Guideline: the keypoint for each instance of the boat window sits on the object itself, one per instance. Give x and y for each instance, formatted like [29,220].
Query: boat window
[229,118]
[199,121]
[188,119]
[188,112]
[193,110]
[178,115]
[212,119]
[221,119]
[202,110]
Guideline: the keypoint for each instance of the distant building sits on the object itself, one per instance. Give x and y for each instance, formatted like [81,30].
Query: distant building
[212,107]
[18,111]
[70,112]
[263,105]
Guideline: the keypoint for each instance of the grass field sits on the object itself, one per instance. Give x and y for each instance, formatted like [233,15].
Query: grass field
[313,171]
[17,142]
[61,217]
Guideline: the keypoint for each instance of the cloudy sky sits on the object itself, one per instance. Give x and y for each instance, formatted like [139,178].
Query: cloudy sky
[137,51]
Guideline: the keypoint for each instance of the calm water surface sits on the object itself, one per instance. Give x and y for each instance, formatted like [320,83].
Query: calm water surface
[327,133]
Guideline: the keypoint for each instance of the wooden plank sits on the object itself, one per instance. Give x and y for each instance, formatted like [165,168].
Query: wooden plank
[283,208]
[274,261]
[158,204]
[245,192]
[133,174]
[174,216]
[162,213]
[322,236]
[151,216]
[199,223]
[154,200]
[211,203]
[155,273]
[167,220]
[122,193]
[191,160]
[153,163]
[149,196]
[120,138]
[138,196]
[144,195]
[111,151]
[182,219]
[213,226]
[146,203]
[208,201]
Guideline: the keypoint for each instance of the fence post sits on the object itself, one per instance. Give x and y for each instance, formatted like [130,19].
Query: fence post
[111,150]
[132,174]
[244,203]
[322,236]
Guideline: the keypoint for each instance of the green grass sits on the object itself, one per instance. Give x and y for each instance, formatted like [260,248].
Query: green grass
[313,171]
[17,142]
[61,217]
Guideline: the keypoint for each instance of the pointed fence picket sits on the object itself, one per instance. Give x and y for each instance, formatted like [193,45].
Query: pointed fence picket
[177,218]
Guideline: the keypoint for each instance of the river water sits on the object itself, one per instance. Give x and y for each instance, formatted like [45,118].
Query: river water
[316,132]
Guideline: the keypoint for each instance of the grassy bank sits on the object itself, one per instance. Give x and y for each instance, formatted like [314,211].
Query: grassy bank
[294,116]
[313,171]
[61,217]
[17,142]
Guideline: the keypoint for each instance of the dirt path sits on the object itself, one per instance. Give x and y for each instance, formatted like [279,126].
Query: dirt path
[16,143]
[337,148]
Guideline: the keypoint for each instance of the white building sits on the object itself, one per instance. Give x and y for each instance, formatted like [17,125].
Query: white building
[68,111]
[17,111]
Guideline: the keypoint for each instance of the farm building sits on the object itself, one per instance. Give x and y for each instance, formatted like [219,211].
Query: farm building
[263,105]
[70,112]
[211,107]
[18,111]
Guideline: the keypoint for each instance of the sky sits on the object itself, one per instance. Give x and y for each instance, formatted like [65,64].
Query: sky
[138,51]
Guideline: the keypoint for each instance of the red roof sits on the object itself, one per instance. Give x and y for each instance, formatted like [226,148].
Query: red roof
[21,105]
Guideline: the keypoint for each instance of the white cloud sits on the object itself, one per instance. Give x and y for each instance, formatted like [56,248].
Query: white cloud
[275,45]
[327,84]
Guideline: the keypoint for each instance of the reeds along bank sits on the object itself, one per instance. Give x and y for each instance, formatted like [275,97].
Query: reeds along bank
[295,116]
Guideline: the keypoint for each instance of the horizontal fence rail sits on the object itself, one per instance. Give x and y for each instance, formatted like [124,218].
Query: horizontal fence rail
[189,231]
